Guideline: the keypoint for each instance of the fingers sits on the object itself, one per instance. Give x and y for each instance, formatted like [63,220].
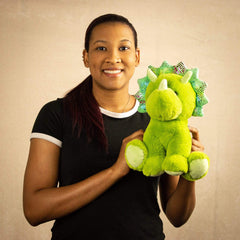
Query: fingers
[196,144]
[136,135]
[195,132]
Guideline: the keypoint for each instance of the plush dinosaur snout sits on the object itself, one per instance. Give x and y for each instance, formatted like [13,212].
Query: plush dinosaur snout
[163,104]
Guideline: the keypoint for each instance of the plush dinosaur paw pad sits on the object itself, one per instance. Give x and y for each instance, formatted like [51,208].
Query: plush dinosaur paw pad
[198,168]
[174,173]
[135,154]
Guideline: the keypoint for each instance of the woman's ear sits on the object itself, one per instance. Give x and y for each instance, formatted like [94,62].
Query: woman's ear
[137,57]
[85,58]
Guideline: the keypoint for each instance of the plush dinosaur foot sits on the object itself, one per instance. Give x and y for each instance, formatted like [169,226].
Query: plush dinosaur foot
[153,167]
[198,166]
[175,165]
[136,154]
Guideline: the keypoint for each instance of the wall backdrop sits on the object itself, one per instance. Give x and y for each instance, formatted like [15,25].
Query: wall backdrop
[41,45]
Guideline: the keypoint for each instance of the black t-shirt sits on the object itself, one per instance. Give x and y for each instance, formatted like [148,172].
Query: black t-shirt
[127,210]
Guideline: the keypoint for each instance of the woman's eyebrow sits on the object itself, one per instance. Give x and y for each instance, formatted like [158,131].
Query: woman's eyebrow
[125,40]
[103,41]
[100,41]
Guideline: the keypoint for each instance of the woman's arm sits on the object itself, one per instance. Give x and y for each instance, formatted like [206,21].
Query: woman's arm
[44,201]
[178,198]
[177,194]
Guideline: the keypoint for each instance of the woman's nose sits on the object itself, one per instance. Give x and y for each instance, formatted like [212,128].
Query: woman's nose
[113,57]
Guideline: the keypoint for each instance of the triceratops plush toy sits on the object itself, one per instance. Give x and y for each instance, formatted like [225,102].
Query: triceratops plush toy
[170,95]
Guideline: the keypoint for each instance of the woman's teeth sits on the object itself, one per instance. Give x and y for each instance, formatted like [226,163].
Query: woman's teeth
[112,71]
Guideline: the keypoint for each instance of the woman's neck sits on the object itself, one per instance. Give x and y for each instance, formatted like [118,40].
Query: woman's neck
[114,101]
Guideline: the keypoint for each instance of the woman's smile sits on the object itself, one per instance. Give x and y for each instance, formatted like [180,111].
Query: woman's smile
[113,72]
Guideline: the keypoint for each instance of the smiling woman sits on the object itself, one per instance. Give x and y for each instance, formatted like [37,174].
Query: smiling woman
[111,58]
[78,143]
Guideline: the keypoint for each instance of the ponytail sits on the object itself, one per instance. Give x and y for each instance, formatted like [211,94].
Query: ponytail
[85,112]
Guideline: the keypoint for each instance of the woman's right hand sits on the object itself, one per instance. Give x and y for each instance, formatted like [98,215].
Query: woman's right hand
[121,167]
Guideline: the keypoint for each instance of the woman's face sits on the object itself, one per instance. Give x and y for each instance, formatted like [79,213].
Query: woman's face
[112,56]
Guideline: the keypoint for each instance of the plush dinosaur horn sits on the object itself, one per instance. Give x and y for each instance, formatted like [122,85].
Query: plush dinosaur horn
[151,75]
[163,85]
[186,77]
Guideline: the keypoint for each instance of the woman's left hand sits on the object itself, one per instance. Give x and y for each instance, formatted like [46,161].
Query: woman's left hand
[196,144]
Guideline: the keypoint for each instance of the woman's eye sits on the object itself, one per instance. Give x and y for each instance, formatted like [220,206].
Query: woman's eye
[124,48]
[101,48]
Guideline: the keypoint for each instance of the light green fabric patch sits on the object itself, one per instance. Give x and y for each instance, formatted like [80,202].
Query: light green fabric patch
[136,156]
[198,168]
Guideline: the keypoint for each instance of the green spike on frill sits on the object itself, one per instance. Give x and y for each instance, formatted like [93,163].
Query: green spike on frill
[163,69]
[140,95]
[180,69]
[142,106]
[201,99]
[199,88]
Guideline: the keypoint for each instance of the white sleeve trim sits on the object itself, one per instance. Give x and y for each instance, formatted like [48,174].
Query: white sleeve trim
[46,137]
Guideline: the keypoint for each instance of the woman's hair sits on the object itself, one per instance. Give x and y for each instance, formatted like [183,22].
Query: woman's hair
[80,102]
[104,19]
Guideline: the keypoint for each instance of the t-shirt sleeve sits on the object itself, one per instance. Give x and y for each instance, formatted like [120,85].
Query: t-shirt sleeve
[49,123]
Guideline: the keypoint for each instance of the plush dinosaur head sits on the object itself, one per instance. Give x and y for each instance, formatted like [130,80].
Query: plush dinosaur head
[171,92]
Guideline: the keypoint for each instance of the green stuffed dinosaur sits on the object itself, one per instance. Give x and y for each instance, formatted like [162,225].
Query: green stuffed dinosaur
[170,95]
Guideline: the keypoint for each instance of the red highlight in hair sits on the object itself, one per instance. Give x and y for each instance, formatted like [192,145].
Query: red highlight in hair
[85,112]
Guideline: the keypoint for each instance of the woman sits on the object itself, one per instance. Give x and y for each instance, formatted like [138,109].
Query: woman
[79,141]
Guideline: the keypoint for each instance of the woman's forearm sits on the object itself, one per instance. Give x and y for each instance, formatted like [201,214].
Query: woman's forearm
[181,203]
[51,203]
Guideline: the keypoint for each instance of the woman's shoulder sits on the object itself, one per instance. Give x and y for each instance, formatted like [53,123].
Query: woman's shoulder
[52,111]
[49,122]
[54,105]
